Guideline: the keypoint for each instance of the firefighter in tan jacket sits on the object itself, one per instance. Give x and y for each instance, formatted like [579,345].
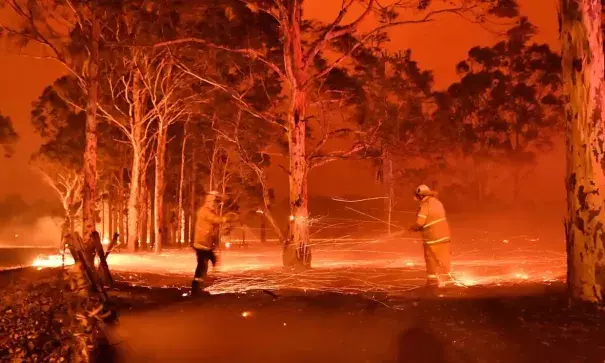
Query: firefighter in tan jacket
[207,228]
[432,223]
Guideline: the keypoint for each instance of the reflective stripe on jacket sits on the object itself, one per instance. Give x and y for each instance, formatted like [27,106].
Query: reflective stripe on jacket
[206,225]
[431,217]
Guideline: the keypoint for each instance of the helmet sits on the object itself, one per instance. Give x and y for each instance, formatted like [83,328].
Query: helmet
[212,196]
[423,191]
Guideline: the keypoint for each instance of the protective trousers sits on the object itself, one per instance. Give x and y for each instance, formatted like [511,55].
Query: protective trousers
[203,256]
[438,262]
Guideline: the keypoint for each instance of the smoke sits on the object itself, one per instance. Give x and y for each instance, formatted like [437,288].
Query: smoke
[29,224]
[41,233]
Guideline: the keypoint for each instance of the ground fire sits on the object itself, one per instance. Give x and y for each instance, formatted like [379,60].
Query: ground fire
[302,180]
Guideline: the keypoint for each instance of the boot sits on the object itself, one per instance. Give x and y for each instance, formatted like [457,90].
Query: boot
[195,288]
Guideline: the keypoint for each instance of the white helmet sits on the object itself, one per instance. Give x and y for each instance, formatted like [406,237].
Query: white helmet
[212,195]
[423,191]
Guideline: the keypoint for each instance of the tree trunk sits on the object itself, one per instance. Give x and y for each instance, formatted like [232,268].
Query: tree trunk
[180,212]
[124,221]
[297,251]
[187,211]
[90,150]
[583,75]
[186,226]
[211,177]
[110,216]
[390,192]
[138,136]
[263,229]
[143,213]
[102,220]
[114,216]
[133,201]
[193,197]
[151,218]
[158,210]
[120,206]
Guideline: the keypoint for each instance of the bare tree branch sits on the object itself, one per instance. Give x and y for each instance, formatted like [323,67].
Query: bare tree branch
[368,36]
[334,31]
[235,96]
[251,53]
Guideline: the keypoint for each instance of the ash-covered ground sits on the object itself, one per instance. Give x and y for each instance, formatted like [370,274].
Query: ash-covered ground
[363,301]
[529,322]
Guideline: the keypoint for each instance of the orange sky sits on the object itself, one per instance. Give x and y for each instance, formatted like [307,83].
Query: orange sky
[438,46]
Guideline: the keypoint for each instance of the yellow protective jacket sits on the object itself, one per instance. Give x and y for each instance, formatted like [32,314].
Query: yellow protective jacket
[432,222]
[206,225]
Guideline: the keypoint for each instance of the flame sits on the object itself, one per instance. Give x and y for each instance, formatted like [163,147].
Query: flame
[522,276]
[52,261]
[346,265]
[468,281]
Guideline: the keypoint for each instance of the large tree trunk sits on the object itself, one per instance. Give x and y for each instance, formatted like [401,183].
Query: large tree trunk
[583,74]
[158,210]
[90,151]
[138,135]
[133,201]
[297,251]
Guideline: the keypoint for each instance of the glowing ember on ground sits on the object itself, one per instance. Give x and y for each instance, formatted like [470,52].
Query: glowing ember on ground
[351,266]
[52,261]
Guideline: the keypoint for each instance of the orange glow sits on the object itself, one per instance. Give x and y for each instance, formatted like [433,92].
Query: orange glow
[52,261]
[346,266]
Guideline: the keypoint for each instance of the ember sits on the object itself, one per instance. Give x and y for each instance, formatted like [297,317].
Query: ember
[351,266]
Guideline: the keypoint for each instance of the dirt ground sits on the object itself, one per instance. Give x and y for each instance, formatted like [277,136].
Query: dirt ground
[517,323]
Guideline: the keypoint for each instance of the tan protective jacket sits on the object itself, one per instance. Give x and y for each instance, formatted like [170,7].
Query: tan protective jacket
[206,223]
[431,217]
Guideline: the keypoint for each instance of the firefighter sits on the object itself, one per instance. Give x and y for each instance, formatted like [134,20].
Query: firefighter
[206,237]
[432,222]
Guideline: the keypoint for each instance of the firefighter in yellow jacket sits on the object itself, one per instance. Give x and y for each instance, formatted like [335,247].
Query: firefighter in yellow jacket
[206,237]
[432,222]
